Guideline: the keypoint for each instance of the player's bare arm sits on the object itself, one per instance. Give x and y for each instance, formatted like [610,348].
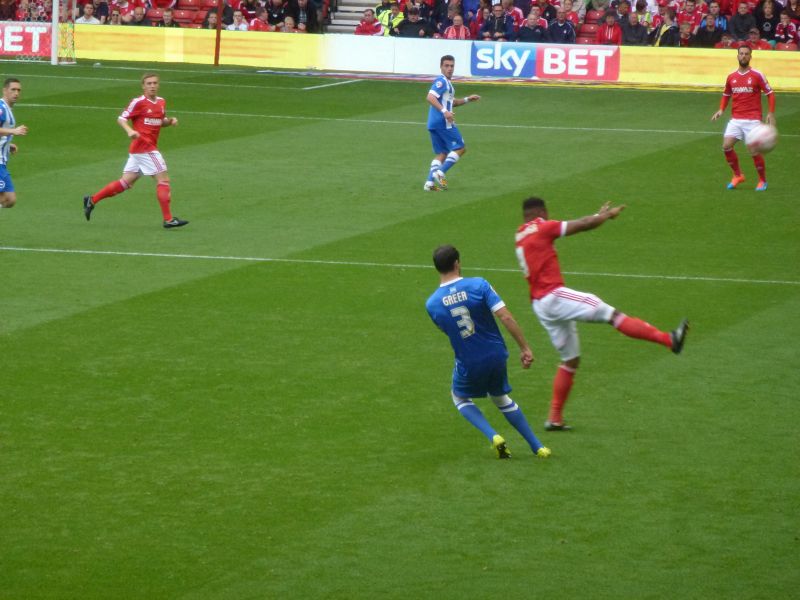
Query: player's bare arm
[12,148]
[130,131]
[18,130]
[170,122]
[716,115]
[508,321]
[606,212]
[462,101]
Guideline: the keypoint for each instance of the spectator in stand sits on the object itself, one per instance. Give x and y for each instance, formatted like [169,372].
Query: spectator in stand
[579,7]
[767,22]
[470,10]
[457,31]
[259,22]
[643,15]
[239,24]
[23,12]
[667,34]
[633,32]
[125,9]
[414,26]
[685,39]
[720,21]
[514,12]
[167,19]
[499,27]
[572,14]
[211,20]
[114,18]
[532,31]
[690,14]
[609,33]
[786,31]
[537,13]
[476,24]
[793,8]
[601,6]
[88,17]
[561,31]
[391,18]
[139,19]
[623,10]
[754,41]
[369,24]
[657,19]
[742,22]
[708,36]
[249,8]
[384,6]
[288,26]
[305,15]
[727,41]
[546,10]
[276,12]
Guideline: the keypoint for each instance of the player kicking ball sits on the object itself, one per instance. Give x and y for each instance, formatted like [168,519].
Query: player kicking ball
[559,308]
[745,86]
[147,115]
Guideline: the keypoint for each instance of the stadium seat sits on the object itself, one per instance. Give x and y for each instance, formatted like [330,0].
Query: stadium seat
[183,16]
[188,4]
[782,46]
[208,4]
[200,16]
[154,14]
[592,16]
[588,30]
[585,40]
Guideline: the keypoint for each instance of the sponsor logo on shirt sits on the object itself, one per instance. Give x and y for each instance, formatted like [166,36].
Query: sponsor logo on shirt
[151,121]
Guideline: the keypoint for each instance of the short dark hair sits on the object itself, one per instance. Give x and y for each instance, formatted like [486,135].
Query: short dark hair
[9,81]
[445,258]
[532,203]
[446,57]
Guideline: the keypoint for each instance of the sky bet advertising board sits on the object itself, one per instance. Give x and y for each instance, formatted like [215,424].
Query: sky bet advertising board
[544,61]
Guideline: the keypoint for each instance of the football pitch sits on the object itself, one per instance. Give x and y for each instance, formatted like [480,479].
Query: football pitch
[257,405]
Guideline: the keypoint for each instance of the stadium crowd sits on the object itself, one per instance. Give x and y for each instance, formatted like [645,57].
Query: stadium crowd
[759,24]
[289,16]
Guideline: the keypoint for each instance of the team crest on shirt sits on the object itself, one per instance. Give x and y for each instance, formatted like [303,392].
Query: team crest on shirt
[438,83]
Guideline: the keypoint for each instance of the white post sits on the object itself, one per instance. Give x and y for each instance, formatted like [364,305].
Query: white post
[54,33]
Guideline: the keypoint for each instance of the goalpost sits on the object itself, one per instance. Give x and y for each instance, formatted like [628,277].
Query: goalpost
[62,38]
[39,36]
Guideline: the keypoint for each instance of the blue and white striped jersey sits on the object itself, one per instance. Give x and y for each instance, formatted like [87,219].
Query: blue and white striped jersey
[443,89]
[6,122]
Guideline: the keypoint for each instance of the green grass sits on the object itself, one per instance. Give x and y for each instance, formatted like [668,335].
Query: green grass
[175,427]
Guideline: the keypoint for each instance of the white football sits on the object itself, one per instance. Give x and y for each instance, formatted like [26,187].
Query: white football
[761,138]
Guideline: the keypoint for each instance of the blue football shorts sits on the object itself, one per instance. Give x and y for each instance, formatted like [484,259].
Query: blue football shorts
[477,382]
[446,140]
[6,185]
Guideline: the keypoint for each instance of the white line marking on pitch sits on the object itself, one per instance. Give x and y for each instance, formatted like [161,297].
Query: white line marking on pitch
[386,121]
[317,87]
[348,263]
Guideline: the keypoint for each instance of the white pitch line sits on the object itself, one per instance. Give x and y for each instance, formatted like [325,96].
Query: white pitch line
[349,263]
[389,122]
[317,87]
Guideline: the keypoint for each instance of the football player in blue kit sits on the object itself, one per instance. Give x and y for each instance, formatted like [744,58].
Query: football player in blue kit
[448,145]
[464,308]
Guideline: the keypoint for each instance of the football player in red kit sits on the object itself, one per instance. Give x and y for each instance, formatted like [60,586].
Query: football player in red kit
[559,308]
[744,87]
[147,115]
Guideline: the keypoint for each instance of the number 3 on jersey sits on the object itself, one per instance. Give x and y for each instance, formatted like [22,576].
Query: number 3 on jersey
[464,321]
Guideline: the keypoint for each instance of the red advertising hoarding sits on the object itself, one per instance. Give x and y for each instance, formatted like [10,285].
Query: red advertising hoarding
[24,39]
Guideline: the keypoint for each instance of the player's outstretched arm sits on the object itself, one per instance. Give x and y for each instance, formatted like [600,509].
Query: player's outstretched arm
[508,321]
[170,122]
[18,130]
[465,99]
[605,213]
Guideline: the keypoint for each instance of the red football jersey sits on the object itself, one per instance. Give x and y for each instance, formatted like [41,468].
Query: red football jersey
[147,117]
[538,257]
[746,88]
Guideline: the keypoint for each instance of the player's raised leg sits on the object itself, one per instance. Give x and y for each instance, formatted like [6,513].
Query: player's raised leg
[109,190]
[636,328]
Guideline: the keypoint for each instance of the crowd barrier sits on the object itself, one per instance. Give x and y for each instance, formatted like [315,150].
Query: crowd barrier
[520,62]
